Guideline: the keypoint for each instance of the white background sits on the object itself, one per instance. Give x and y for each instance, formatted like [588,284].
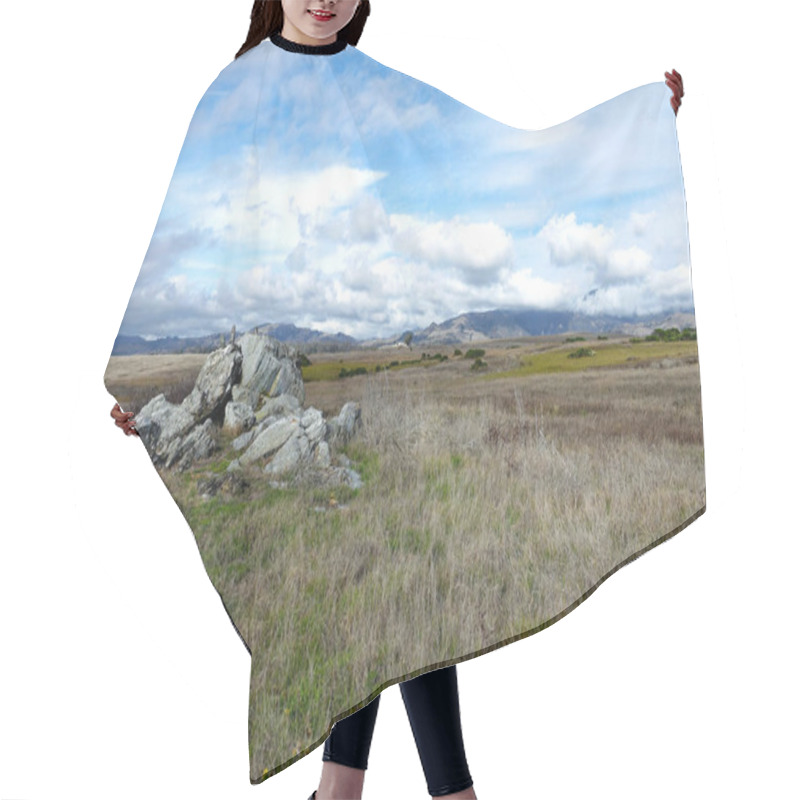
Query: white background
[120,674]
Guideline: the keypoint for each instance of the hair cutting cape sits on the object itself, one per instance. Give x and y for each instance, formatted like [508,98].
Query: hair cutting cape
[418,381]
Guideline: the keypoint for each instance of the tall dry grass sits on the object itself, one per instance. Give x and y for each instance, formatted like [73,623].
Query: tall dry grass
[488,509]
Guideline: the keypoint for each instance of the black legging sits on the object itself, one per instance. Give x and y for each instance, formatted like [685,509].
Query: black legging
[432,706]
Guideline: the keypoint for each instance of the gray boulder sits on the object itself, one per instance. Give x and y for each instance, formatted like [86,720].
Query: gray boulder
[159,423]
[270,440]
[281,405]
[212,389]
[183,451]
[344,426]
[243,440]
[295,451]
[280,436]
[322,454]
[238,417]
[313,424]
[270,368]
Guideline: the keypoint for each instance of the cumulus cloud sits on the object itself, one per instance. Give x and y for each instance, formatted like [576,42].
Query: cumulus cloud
[593,247]
[477,250]
[571,242]
[349,227]
[526,288]
[672,285]
[624,265]
[657,291]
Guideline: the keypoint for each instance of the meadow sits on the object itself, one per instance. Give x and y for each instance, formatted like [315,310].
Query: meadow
[495,499]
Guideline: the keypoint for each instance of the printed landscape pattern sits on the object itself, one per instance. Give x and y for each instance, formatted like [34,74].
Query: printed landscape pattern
[419,381]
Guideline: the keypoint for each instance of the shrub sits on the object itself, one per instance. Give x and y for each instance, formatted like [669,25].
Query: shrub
[581,352]
[457,352]
[479,363]
[347,373]
[474,353]
[672,335]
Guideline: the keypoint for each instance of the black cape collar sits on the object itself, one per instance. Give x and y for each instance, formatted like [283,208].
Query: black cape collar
[312,49]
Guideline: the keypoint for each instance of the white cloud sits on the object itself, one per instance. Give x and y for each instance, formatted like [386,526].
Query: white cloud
[626,264]
[526,288]
[477,250]
[660,290]
[593,247]
[672,286]
[570,242]
[312,192]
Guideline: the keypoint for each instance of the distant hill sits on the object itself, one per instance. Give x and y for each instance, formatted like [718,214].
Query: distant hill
[467,328]
[509,324]
[137,345]
[287,332]
[307,339]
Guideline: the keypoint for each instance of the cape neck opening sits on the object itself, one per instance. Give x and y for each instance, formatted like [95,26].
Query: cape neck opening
[311,49]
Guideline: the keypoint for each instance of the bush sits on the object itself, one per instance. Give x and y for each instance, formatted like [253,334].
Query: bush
[672,335]
[479,363]
[570,339]
[457,352]
[347,373]
[474,353]
[582,352]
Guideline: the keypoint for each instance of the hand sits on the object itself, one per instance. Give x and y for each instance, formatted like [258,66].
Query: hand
[675,82]
[124,420]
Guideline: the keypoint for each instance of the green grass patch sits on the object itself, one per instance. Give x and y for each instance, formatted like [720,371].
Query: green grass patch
[341,370]
[612,355]
[219,467]
[330,371]
[366,462]
[215,510]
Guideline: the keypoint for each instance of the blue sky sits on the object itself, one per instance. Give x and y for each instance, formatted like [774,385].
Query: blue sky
[335,193]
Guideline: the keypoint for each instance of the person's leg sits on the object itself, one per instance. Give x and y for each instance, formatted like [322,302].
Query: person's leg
[346,753]
[432,704]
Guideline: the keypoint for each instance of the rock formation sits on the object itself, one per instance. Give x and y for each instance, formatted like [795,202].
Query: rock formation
[253,388]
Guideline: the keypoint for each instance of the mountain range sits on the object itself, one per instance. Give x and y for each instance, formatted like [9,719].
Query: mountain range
[475,326]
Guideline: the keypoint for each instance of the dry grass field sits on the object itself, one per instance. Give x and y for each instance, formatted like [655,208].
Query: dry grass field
[134,380]
[494,501]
